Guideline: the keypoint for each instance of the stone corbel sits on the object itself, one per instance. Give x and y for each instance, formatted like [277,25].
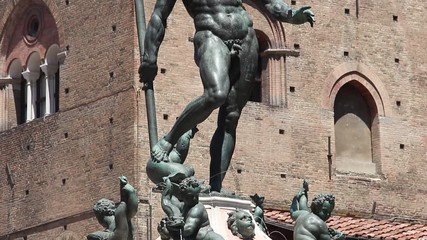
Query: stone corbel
[280,52]
[61,57]
[7,80]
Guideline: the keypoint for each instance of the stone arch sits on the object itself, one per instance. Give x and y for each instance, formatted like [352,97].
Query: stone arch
[12,96]
[51,56]
[355,71]
[264,41]
[354,123]
[33,62]
[277,30]
[31,33]
[369,87]
[274,77]
[20,5]
[13,18]
[15,69]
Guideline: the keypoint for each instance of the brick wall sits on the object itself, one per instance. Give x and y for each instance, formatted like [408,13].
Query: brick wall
[279,162]
[62,164]
[105,117]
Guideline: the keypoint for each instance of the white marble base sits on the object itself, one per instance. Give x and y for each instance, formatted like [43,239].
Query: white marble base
[218,209]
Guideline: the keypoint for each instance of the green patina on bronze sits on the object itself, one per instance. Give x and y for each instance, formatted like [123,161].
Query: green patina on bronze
[310,223]
[241,224]
[116,218]
[226,51]
[186,218]
[259,211]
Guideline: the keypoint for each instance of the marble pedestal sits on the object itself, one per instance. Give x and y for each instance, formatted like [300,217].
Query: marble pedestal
[218,209]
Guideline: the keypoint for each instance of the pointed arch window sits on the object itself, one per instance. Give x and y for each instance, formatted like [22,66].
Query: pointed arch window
[354,114]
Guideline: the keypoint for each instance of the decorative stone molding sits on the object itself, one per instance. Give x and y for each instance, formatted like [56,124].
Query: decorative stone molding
[61,57]
[49,69]
[357,71]
[31,76]
[7,80]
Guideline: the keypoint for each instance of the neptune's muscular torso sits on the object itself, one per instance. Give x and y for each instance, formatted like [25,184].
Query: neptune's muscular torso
[227,19]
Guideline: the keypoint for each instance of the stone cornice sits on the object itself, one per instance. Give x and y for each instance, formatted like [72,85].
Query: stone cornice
[9,80]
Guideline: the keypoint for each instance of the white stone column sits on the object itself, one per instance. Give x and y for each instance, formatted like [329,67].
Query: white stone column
[50,71]
[31,78]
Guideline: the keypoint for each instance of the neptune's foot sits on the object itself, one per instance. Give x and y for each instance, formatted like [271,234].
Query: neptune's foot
[161,150]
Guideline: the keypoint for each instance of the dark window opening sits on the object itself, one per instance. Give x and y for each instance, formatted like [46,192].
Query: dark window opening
[33,27]
[256,92]
[22,103]
[56,92]
[256,95]
[41,95]
[353,118]
[264,44]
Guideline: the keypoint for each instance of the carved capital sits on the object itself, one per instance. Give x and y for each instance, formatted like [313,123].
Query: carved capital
[49,69]
[31,76]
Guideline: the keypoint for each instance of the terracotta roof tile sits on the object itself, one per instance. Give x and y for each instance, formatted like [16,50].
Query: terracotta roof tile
[361,227]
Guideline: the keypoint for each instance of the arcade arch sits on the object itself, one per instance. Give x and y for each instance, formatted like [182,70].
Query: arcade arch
[271,82]
[30,58]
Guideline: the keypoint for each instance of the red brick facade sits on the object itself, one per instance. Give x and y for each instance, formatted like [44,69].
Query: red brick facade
[60,165]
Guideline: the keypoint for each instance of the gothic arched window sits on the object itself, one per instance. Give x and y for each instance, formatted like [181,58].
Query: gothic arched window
[354,113]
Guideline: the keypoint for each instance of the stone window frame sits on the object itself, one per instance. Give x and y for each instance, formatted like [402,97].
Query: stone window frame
[18,14]
[365,168]
[38,72]
[274,78]
[369,83]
